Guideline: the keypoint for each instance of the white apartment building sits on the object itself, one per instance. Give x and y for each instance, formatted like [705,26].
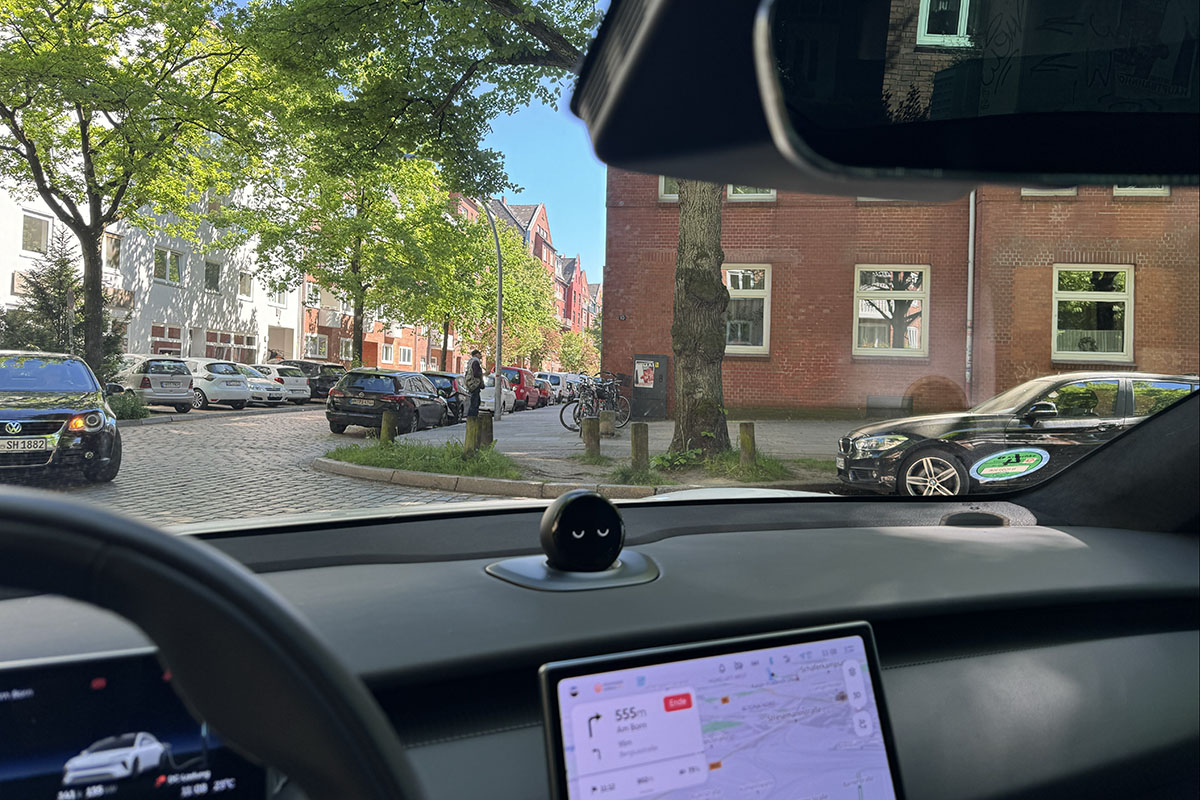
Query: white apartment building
[173,298]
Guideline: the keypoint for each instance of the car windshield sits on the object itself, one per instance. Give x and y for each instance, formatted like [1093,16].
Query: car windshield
[113,743]
[32,374]
[327,205]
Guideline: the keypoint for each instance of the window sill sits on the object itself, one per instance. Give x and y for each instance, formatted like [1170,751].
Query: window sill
[1059,361]
[164,282]
[32,254]
[906,358]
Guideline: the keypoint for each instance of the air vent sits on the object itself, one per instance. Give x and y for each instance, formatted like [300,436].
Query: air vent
[984,519]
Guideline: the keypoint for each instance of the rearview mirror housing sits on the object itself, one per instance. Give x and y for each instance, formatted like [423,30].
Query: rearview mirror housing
[113,388]
[1042,410]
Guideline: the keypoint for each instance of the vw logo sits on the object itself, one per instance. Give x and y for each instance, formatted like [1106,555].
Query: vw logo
[12,428]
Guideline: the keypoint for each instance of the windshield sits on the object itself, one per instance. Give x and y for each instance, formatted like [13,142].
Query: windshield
[32,374]
[113,743]
[332,214]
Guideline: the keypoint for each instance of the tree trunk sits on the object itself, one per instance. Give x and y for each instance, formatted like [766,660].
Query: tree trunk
[357,333]
[698,331]
[93,297]
[445,343]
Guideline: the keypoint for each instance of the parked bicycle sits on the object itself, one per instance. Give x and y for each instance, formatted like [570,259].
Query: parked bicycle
[601,393]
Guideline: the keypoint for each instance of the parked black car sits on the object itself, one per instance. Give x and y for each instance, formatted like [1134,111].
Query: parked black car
[322,375]
[1047,423]
[362,395]
[450,385]
[53,416]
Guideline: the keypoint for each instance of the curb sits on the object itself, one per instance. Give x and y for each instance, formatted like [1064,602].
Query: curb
[497,486]
[162,419]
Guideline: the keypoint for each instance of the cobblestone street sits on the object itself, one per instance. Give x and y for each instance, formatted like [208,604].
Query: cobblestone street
[216,467]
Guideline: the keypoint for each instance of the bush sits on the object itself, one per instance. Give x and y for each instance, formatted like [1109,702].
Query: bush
[765,468]
[675,461]
[128,405]
[646,477]
[448,458]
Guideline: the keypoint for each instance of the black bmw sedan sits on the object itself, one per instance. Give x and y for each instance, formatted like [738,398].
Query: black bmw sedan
[1017,438]
[53,416]
[362,395]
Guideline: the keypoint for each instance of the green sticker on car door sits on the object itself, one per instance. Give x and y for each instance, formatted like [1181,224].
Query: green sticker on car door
[1010,464]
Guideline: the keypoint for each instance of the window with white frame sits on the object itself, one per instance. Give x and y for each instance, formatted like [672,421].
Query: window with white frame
[1034,191]
[387,353]
[245,285]
[168,265]
[35,233]
[424,364]
[1141,191]
[345,348]
[1093,312]
[312,294]
[405,356]
[316,345]
[433,362]
[668,188]
[112,252]
[748,315]
[278,297]
[891,310]
[212,276]
[943,23]
[166,339]
[749,193]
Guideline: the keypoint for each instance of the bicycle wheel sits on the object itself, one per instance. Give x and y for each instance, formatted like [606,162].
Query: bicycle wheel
[624,412]
[568,416]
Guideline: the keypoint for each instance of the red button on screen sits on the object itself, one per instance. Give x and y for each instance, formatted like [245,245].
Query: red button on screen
[677,702]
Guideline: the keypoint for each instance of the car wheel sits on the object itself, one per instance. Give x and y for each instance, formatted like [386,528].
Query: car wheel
[102,473]
[931,473]
[300,401]
[238,405]
[446,419]
[336,427]
[199,399]
[183,408]
[414,424]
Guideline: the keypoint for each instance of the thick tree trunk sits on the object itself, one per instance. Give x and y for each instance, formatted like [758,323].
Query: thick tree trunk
[445,343]
[698,332]
[93,297]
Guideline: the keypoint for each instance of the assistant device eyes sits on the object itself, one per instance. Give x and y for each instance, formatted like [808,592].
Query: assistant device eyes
[582,532]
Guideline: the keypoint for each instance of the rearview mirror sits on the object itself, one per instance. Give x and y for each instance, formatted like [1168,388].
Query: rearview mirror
[113,388]
[1041,410]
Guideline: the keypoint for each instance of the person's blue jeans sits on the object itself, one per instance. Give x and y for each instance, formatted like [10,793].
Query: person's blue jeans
[473,406]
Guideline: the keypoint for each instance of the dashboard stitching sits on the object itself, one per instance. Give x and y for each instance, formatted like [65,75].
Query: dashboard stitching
[473,735]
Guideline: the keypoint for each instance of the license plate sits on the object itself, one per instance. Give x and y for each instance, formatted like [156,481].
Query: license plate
[23,444]
[841,462]
[232,383]
[354,401]
[171,384]
[274,397]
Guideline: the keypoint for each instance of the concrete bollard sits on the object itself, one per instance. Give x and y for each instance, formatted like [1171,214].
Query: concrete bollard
[639,439]
[608,423]
[485,432]
[471,439]
[387,430]
[746,442]
[589,427]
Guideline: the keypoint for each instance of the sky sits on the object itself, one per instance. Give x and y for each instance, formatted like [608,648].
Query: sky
[548,154]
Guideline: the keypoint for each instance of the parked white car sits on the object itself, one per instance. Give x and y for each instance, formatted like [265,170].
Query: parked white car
[114,758]
[487,396]
[158,381]
[558,385]
[295,384]
[217,381]
[263,390]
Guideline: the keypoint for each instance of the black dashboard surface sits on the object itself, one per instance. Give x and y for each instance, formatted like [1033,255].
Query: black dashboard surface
[1016,659]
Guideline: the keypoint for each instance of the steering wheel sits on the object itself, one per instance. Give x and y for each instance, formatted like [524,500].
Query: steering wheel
[241,657]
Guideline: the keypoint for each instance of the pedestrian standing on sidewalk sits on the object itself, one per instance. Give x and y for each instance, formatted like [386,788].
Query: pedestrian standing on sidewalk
[474,381]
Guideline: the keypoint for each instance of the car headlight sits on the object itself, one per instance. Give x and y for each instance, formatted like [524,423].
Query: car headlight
[92,421]
[874,445]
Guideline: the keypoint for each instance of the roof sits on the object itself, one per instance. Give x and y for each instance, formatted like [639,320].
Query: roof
[518,216]
[37,353]
[382,371]
[524,213]
[593,289]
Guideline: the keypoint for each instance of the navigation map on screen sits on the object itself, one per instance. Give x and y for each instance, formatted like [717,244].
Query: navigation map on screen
[798,721]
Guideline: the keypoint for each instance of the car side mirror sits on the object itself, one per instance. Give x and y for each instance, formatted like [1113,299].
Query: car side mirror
[113,388]
[1041,410]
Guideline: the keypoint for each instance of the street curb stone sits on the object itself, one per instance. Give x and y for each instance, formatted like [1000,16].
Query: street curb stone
[425,480]
[162,419]
[619,491]
[551,490]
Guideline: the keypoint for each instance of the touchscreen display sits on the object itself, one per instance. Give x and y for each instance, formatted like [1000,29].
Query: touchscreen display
[794,720]
[111,728]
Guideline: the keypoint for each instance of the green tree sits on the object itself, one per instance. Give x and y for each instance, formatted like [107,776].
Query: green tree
[50,314]
[577,353]
[114,109]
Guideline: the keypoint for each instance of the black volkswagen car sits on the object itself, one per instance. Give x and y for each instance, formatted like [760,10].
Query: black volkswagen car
[1044,424]
[53,416]
[364,393]
[322,375]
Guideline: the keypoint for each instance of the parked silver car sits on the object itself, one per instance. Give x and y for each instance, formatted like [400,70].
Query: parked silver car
[158,381]
[218,381]
[295,384]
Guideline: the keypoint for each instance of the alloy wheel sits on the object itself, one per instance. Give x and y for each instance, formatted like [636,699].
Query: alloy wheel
[932,475]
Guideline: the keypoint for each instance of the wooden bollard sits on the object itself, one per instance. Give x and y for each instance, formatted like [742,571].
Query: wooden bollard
[485,430]
[639,438]
[590,428]
[388,427]
[608,423]
[746,442]
[471,440]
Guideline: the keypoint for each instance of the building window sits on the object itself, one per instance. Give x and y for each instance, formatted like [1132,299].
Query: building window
[943,23]
[245,285]
[312,294]
[668,189]
[167,265]
[405,356]
[166,339]
[433,362]
[748,316]
[749,193]
[112,252]
[212,276]
[1141,191]
[891,310]
[316,345]
[35,235]
[387,353]
[345,349]
[278,298]
[1066,191]
[1093,312]
[239,347]
[424,365]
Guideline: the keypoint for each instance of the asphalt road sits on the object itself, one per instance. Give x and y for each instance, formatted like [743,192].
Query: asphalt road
[210,466]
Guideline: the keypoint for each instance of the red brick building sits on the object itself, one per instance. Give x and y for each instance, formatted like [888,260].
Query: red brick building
[836,299]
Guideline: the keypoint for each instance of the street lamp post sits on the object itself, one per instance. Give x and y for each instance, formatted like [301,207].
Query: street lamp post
[498,408]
